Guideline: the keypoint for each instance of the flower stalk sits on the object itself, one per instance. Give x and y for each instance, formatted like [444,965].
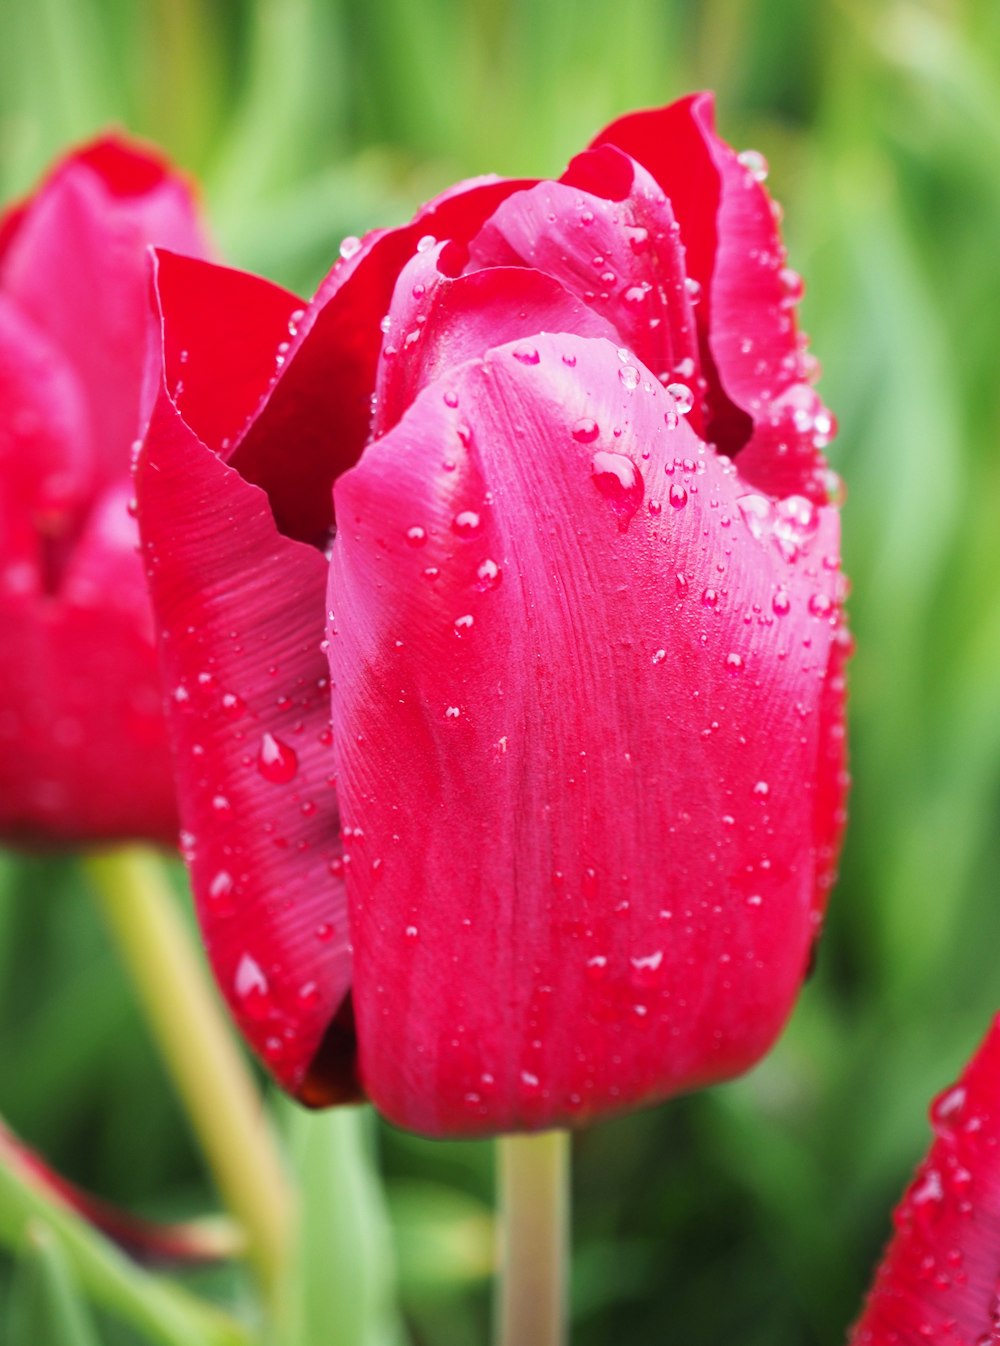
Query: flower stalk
[534,1183]
[199,1050]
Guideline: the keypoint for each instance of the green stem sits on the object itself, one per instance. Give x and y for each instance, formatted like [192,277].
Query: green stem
[199,1049]
[534,1262]
[163,1312]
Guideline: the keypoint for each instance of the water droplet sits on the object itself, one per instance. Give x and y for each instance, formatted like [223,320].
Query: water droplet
[488,574]
[525,353]
[464,623]
[629,377]
[233,705]
[655,508]
[734,663]
[820,605]
[792,286]
[659,656]
[276,761]
[350,246]
[677,495]
[426,243]
[710,598]
[466,523]
[693,288]
[683,397]
[620,482]
[221,885]
[755,164]
[585,431]
[251,988]
[416,536]
[451,399]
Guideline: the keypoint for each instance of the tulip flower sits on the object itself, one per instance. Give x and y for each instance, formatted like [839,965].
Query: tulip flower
[938,1278]
[499,598]
[83,746]
[84,754]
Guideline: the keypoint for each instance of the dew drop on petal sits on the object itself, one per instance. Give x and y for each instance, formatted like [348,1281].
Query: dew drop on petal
[585,431]
[276,761]
[620,482]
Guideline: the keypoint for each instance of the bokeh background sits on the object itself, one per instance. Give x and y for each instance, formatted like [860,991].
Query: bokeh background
[753,1212]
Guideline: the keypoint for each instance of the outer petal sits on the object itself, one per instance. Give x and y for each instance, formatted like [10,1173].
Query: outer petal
[76,264]
[83,750]
[576,728]
[320,402]
[436,322]
[750,345]
[608,234]
[938,1279]
[240,610]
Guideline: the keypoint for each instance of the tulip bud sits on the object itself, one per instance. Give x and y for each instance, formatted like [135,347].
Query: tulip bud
[500,596]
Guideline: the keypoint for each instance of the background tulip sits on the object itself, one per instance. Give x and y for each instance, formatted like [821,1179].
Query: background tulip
[584,635]
[83,750]
[937,1281]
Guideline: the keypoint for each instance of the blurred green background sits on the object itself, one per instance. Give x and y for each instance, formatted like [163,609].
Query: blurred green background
[755,1212]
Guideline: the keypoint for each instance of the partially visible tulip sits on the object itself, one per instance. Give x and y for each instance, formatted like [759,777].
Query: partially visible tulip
[542,472]
[83,747]
[939,1280]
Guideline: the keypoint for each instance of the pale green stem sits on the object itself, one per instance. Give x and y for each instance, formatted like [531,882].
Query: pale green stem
[534,1232]
[161,1311]
[207,1067]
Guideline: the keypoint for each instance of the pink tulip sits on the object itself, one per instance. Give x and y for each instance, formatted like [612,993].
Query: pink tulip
[499,593]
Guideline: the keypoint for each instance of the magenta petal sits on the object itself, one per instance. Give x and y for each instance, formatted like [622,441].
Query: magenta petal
[46,455]
[77,265]
[81,707]
[938,1278]
[747,321]
[319,410]
[436,323]
[224,334]
[240,610]
[608,235]
[579,678]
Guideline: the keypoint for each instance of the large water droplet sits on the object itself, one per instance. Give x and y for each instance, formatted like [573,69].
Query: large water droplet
[276,762]
[620,482]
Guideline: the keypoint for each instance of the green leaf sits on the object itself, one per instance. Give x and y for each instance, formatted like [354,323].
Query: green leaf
[45,1303]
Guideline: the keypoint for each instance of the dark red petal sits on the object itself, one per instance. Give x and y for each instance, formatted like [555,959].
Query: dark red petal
[77,265]
[225,334]
[46,455]
[239,610]
[608,235]
[578,675]
[80,700]
[320,407]
[435,323]
[938,1279]
[749,337]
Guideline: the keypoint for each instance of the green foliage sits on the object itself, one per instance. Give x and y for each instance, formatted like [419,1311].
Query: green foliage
[754,1212]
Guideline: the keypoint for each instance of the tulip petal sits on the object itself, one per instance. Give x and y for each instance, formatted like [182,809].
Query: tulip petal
[320,406]
[938,1278]
[240,610]
[46,457]
[222,335]
[569,605]
[437,322]
[606,233]
[764,406]
[81,250]
[81,705]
